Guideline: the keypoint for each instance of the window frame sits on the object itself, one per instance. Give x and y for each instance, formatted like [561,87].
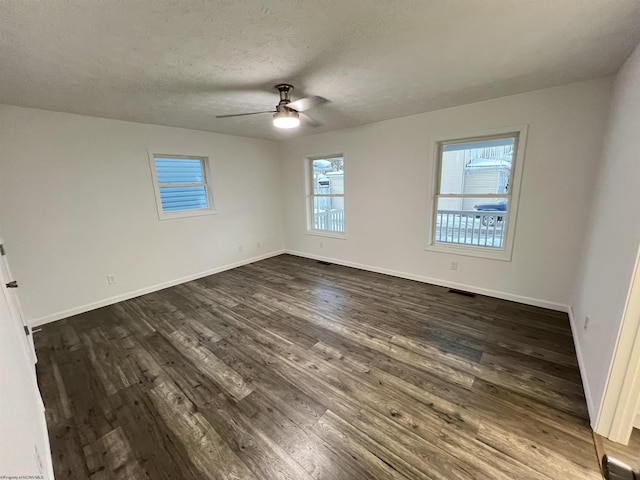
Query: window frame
[504,253]
[206,183]
[310,196]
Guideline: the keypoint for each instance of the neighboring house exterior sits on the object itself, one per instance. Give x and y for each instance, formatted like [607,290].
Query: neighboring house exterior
[474,171]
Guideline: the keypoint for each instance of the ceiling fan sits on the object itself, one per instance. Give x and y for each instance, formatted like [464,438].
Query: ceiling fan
[287,113]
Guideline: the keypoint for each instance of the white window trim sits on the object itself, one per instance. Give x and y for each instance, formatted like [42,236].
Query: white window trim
[505,253]
[310,196]
[204,161]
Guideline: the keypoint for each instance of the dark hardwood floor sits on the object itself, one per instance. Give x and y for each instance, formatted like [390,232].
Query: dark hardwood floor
[291,369]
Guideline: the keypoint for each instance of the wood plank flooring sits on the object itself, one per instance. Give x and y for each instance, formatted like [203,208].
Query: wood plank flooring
[291,369]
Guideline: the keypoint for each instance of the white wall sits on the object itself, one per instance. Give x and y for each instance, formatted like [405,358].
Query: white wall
[613,237]
[388,178]
[77,203]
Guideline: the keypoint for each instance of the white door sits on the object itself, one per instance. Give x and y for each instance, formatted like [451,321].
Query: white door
[24,442]
[11,284]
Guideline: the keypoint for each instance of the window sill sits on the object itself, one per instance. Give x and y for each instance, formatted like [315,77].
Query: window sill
[187,213]
[470,251]
[327,233]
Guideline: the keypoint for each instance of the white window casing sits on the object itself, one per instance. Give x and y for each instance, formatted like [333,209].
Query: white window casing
[325,195]
[182,185]
[456,226]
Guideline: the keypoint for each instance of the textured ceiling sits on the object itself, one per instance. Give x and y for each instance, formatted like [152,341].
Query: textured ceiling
[182,62]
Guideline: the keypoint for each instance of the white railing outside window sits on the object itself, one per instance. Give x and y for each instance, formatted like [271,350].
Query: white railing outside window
[330,220]
[464,227]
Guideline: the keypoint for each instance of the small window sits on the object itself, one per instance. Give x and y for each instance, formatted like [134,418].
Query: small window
[475,194]
[182,185]
[325,196]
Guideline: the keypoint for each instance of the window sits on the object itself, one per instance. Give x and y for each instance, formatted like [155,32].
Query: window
[325,196]
[476,188]
[182,185]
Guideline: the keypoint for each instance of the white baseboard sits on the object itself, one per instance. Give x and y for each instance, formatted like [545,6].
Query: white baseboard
[593,411]
[136,293]
[536,302]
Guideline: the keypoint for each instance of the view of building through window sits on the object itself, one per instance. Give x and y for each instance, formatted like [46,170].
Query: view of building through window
[472,200]
[182,186]
[326,206]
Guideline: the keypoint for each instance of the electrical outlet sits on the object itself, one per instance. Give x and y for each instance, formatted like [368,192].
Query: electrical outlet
[321,245]
[240,248]
[586,322]
[111,278]
[257,244]
[454,265]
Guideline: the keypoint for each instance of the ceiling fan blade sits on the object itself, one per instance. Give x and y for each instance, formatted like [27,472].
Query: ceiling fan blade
[303,104]
[310,121]
[244,114]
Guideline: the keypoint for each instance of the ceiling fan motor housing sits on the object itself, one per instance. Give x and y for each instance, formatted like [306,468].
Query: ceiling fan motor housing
[282,107]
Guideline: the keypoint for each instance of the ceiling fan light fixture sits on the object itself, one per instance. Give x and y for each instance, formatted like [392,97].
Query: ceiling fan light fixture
[286,119]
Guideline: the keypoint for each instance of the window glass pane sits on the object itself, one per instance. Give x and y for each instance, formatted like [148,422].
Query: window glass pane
[471,221]
[477,167]
[175,199]
[328,176]
[179,170]
[328,214]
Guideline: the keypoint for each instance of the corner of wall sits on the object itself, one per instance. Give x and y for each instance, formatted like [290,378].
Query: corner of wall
[36,322]
[591,407]
[281,191]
